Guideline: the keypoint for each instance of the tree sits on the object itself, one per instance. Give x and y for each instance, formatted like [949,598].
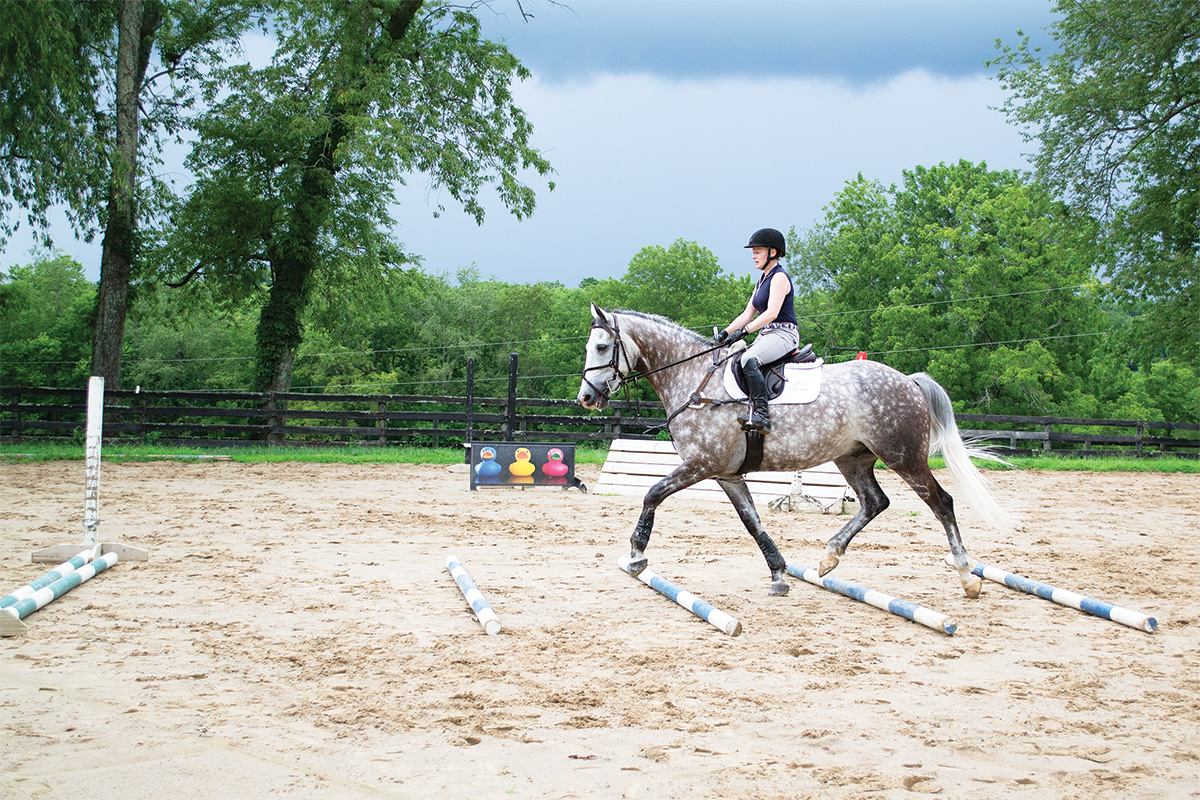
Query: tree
[185,340]
[973,275]
[81,119]
[683,282]
[296,165]
[135,36]
[45,313]
[1116,114]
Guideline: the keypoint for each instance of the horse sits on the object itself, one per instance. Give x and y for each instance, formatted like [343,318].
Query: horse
[866,411]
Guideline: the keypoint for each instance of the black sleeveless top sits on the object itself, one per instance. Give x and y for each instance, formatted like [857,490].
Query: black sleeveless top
[762,293]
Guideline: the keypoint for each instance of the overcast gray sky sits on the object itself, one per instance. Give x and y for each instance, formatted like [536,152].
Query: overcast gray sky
[706,119]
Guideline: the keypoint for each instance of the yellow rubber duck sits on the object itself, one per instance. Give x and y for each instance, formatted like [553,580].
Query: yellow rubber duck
[522,467]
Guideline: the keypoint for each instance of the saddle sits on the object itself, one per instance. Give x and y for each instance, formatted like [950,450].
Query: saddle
[773,371]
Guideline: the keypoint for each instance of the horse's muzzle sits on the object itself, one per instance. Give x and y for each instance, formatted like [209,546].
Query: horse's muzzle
[591,400]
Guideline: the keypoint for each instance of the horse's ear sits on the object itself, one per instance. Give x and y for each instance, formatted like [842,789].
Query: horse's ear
[598,314]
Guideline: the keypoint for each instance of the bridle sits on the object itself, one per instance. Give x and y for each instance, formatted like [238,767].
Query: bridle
[614,363]
[625,379]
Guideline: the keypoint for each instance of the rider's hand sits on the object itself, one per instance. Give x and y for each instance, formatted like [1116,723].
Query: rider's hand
[720,336]
[737,335]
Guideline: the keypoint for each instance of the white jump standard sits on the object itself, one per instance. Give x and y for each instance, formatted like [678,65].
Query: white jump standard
[1064,597]
[91,490]
[479,604]
[76,568]
[901,608]
[705,611]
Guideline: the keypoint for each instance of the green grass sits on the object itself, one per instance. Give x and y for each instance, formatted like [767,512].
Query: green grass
[1164,464]
[33,451]
[1065,463]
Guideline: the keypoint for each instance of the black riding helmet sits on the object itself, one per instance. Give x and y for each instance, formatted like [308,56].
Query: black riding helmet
[769,237]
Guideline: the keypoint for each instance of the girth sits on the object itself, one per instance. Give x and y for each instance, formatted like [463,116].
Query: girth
[754,452]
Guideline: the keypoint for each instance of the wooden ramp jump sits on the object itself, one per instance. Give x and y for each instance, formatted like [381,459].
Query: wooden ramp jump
[634,465]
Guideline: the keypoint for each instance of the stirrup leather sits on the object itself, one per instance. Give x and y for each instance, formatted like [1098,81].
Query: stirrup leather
[756,419]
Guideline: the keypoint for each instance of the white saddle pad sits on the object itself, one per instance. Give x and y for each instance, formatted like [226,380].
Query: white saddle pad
[803,383]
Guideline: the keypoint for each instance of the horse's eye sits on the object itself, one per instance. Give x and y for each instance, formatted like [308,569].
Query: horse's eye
[600,348]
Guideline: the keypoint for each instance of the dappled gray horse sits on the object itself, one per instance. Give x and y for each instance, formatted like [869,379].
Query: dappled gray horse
[865,411]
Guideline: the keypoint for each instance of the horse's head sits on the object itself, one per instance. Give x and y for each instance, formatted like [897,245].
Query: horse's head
[610,356]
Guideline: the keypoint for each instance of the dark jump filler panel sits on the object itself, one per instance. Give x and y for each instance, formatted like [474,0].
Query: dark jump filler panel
[523,464]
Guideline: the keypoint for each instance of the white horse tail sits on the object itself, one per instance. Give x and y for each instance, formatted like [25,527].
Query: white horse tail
[944,438]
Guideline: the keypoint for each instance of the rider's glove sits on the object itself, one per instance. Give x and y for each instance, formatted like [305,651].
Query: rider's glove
[737,335]
[720,336]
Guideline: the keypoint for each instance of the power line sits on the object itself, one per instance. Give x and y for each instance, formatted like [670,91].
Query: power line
[415,349]
[504,378]
[528,342]
[944,302]
[988,344]
[444,381]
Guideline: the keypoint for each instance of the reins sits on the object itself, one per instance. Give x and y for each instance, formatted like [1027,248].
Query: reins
[629,378]
[682,361]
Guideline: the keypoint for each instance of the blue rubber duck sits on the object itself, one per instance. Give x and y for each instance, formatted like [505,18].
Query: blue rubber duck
[487,467]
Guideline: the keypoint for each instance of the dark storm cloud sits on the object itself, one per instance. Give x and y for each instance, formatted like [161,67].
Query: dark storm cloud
[859,41]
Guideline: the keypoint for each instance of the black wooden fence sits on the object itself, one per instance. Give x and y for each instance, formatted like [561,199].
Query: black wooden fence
[1083,436]
[223,419]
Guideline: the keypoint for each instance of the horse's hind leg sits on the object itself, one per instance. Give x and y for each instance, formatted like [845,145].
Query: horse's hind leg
[740,496]
[681,477]
[859,472]
[939,501]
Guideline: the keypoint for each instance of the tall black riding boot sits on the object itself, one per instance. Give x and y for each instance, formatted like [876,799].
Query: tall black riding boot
[758,418]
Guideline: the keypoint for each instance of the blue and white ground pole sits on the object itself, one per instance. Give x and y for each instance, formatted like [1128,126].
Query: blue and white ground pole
[1064,597]
[705,611]
[10,616]
[479,604]
[901,608]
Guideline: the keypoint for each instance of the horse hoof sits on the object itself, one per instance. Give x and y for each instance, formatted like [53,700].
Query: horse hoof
[827,564]
[973,587]
[779,588]
[636,567]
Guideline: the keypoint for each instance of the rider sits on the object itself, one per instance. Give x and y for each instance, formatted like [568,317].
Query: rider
[769,311]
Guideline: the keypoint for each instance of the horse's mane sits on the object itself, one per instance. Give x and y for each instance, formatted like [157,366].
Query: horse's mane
[658,319]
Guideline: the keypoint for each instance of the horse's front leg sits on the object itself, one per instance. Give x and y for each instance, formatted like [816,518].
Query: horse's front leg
[859,472]
[739,495]
[681,477]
